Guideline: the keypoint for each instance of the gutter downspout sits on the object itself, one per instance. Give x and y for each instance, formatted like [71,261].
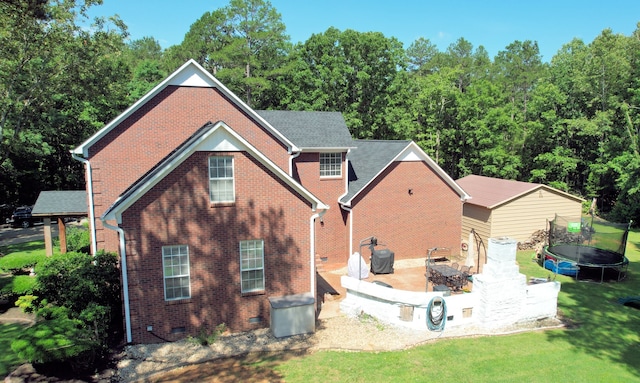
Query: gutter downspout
[89,176]
[312,249]
[348,209]
[344,206]
[292,157]
[125,277]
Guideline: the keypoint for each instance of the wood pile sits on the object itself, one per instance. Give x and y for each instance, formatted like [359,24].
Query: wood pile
[537,240]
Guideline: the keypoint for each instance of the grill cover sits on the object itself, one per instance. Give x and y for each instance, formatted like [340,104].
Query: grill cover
[382,261]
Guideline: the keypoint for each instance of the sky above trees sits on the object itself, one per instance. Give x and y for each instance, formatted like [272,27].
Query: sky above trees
[493,24]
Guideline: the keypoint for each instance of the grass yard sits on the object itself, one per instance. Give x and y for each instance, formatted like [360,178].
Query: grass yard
[602,345]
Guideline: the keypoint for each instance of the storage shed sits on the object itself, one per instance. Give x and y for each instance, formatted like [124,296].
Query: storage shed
[514,209]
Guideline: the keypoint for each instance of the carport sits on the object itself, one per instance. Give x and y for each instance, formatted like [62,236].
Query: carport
[56,205]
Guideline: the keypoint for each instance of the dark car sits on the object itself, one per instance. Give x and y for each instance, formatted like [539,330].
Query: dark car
[22,217]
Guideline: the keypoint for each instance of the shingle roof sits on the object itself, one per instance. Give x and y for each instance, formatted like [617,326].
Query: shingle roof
[61,203]
[310,129]
[367,160]
[491,192]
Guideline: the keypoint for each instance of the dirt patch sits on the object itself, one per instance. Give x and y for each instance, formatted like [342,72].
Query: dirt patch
[244,368]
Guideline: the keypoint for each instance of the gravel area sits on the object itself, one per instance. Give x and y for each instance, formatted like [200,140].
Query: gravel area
[339,332]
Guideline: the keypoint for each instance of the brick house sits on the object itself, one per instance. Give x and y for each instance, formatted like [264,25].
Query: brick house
[215,207]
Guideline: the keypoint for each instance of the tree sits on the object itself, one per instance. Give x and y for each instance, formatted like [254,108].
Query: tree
[351,72]
[58,81]
[204,42]
[420,53]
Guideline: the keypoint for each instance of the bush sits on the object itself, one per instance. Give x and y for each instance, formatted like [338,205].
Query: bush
[77,302]
[76,280]
[58,339]
[78,239]
[205,337]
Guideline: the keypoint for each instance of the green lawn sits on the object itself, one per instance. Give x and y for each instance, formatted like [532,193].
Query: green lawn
[603,346]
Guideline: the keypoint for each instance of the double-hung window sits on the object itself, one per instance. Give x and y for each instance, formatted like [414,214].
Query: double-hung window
[252,265]
[175,265]
[221,183]
[330,164]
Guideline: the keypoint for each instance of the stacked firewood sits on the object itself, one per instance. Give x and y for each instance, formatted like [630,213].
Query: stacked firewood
[538,239]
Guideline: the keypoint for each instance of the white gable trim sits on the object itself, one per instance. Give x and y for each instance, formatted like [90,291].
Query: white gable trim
[219,137]
[412,152]
[190,74]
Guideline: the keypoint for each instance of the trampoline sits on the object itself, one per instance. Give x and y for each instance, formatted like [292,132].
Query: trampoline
[590,248]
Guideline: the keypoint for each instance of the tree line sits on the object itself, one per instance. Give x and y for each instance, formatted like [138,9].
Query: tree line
[571,123]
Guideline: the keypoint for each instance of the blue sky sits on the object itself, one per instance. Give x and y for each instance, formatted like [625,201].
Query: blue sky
[491,23]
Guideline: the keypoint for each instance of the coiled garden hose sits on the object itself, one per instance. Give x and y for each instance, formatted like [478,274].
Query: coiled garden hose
[436,314]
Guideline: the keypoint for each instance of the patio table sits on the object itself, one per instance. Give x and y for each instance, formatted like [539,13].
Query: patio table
[452,277]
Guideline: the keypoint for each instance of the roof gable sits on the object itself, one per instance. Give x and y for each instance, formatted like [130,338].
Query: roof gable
[492,192]
[371,157]
[190,74]
[311,129]
[211,137]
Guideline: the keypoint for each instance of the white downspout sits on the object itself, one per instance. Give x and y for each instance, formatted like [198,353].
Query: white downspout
[345,207]
[125,277]
[312,249]
[92,222]
[292,157]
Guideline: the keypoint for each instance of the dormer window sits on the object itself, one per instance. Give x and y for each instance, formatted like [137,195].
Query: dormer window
[330,164]
[221,185]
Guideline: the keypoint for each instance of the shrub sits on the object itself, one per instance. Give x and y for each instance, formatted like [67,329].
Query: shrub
[77,302]
[76,280]
[78,239]
[206,337]
[60,338]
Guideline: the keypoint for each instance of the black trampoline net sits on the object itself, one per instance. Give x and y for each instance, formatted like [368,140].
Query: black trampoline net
[590,231]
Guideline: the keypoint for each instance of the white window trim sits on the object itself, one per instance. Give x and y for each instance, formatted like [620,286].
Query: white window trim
[242,269]
[165,277]
[232,178]
[332,154]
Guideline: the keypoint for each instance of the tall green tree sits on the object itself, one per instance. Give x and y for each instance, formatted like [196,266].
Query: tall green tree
[350,72]
[58,82]
[244,44]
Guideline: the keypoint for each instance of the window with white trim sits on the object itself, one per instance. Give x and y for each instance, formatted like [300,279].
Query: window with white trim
[175,266]
[252,265]
[221,183]
[330,164]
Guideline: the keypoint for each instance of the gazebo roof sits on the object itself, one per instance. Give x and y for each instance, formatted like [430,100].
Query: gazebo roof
[61,203]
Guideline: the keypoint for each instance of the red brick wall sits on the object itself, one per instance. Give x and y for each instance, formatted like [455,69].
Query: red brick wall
[408,224]
[157,128]
[177,211]
[331,234]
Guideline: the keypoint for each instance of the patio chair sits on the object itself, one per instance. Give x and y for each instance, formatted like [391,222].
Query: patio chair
[466,272]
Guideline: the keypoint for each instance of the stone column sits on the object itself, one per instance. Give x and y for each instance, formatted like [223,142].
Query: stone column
[501,287]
